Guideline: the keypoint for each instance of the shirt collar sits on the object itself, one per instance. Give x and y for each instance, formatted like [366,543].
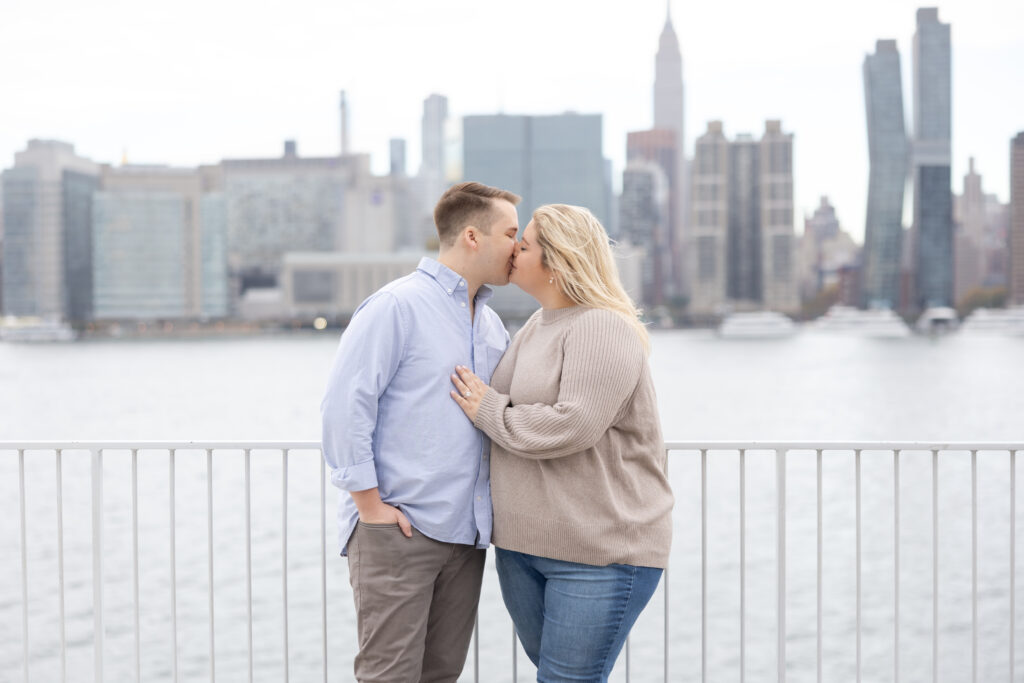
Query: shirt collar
[450,281]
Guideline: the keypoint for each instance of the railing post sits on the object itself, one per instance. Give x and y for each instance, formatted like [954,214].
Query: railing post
[174,568]
[60,566]
[135,563]
[24,563]
[896,562]
[743,564]
[974,566]
[97,562]
[209,555]
[780,475]
[935,566]
[323,564]
[248,558]
[820,564]
[857,488]
[703,565]
[284,555]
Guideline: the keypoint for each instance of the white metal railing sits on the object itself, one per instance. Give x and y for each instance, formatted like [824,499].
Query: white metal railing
[285,448]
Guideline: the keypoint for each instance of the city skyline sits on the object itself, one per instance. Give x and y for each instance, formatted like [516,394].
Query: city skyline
[206,84]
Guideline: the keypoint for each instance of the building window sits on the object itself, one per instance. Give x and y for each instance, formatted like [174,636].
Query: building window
[706,261]
[781,257]
[313,286]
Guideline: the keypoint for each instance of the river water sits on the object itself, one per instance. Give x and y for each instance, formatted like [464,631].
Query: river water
[811,387]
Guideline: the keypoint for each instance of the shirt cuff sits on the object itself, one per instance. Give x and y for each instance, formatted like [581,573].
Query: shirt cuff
[358,477]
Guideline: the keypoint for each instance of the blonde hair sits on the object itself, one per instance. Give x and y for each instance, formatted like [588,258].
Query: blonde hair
[575,249]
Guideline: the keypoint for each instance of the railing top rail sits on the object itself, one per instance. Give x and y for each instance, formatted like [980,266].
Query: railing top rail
[669,445]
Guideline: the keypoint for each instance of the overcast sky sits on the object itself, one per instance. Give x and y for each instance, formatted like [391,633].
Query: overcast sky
[196,81]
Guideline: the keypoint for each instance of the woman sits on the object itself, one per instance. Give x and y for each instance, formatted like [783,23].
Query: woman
[582,506]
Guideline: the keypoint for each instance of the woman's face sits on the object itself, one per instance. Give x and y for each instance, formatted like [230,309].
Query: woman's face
[528,271]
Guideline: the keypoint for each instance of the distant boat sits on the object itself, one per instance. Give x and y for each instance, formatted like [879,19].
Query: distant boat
[874,322]
[14,329]
[937,320]
[995,321]
[756,325]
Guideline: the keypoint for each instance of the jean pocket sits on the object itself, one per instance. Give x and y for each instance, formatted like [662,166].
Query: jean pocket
[369,525]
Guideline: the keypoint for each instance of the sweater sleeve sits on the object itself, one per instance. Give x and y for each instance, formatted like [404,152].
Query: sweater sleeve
[601,365]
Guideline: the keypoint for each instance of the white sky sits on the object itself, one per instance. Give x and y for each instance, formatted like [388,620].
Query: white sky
[196,81]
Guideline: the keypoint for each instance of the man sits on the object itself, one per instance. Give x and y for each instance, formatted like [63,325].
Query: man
[417,522]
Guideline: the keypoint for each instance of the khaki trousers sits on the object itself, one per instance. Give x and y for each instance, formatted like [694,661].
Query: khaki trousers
[416,601]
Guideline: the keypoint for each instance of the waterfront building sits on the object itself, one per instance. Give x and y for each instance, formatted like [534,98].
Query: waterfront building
[160,244]
[294,203]
[669,115]
[933,210]
[661,147]
[709,222]
[887,155]
[333,284]
[543,159]
[742,242]
[1016,231]
[980,222]
[778,244]
[47,205]
[644,225]
[824,250]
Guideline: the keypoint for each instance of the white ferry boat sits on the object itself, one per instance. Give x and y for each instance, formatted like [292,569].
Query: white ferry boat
[938,320]
[1008,321]
[756,325]
[13,329]
[874,322]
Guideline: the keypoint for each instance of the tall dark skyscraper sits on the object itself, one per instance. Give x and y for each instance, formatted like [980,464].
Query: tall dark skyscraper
[669,115]
[933,199]
[887,152]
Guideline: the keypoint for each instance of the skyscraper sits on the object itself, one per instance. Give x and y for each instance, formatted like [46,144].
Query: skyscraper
[742,246]
[933,200]
[1017,220]
[160,245]
[343,120]
[887,154]
[777,243]
[669,115]
[544,159]
[661,147]
[709,223]
[643,223]
[432,164]
[48,233]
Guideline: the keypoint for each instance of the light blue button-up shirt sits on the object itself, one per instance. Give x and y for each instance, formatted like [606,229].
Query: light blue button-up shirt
[388,418]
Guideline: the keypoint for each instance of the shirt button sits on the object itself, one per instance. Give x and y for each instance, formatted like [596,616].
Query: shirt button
[449,291]
[479,498]
[462,303]
[461,283]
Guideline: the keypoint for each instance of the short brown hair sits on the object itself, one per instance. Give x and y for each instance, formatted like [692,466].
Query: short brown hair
[464,204]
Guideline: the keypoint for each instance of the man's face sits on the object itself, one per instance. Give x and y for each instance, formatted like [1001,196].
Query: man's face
[497,246]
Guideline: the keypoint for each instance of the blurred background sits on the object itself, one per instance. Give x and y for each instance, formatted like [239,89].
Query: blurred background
[819,206]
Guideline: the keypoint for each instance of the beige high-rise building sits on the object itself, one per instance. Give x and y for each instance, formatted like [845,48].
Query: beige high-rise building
[742,247]
[1017,220]
[709,222]
[778,248]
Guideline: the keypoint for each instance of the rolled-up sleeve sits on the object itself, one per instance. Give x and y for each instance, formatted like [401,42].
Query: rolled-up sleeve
[367,358]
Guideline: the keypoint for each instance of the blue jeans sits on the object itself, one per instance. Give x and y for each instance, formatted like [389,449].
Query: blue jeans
[571,618]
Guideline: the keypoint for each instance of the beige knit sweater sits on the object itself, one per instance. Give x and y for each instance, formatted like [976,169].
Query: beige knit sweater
[577,458]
